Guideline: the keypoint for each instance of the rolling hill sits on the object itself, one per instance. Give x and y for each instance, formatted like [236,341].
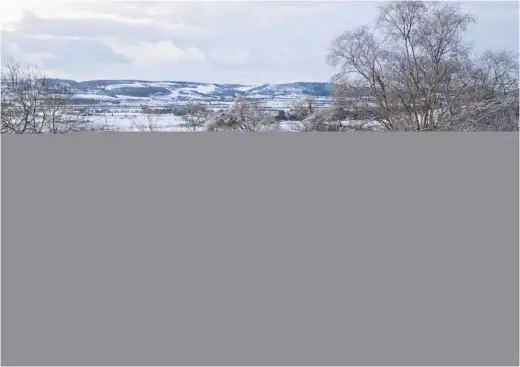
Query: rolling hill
[117,91]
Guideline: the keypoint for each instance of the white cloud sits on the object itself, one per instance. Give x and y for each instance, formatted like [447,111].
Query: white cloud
[34,58]
[38,58]
[216,41]
[85,15]
[47,37]
[56,73]
[229,57]
[12,48]
[145,53]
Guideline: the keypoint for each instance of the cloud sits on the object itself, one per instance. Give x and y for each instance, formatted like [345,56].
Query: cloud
[10,48]
[84,24]
[50,37]
[57,73]
[11,51]
[143,53]
[38,58]
[117,19]
[233,58]
[214,41]
[68,51]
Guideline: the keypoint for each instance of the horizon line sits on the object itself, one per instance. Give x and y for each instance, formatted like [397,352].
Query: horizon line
[188,81]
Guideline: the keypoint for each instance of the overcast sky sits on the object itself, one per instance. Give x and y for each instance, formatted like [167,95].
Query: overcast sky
[209,41]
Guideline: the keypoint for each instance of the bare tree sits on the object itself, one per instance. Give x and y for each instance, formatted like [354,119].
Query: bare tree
[34,104]
[219,122]
[319,120]
[270,123]
[340,106]
[326,120]
[490,98]
[244,115]
[419,75]
[302,108]
[105,126]
[152,123]
[197,116]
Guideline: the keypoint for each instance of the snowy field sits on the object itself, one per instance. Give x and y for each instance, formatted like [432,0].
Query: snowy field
[118,105]
[139,122]
[128,116]
[136,122]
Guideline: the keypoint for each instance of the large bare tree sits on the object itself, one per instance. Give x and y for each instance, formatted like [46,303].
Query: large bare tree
[244,115]
[34,104]
[414,72]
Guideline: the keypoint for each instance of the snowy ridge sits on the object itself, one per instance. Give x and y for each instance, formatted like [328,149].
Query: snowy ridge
[117,91]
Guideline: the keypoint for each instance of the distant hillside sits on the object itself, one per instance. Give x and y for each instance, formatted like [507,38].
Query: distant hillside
[125,90]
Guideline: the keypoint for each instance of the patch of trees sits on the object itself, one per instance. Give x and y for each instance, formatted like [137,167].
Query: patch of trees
[244,115]
[33,104]
[420,75]
[176,111]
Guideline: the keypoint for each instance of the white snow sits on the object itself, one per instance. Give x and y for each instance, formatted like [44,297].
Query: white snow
[127,85]
[127,113]
[128,97]
[206,88]
[132,121]
[92,96]
[247,88]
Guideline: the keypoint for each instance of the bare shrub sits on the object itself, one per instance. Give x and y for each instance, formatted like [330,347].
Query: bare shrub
[244,115]
[301,108]
[153,119]
[196,117]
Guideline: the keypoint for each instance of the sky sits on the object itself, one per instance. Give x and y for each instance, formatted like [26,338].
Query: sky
[245,42]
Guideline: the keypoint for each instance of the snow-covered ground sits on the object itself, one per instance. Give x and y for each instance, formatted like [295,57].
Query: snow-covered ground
[95,97]
[206,89]
[140,122]
[117,105]
[247,88]
[127,85]
[137,122]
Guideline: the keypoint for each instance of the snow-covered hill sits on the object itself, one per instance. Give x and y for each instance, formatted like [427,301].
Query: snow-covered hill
[117,91]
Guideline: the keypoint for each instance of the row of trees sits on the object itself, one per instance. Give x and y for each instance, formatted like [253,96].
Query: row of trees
[412,71]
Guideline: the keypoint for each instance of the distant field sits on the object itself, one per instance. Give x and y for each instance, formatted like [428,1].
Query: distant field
[132,122]
[126,117]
